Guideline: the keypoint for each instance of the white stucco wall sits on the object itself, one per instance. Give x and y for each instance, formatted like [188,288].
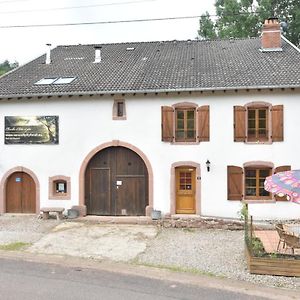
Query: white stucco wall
[86,122]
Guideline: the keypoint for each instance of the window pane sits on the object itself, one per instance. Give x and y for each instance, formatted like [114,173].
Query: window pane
[251,124]
[190,124]
[250,173]
[180,124]
[264,173]
[190,134]
[180,114]
[262,113]
[263,192]
[251,114]
[179,134]
[262,132]
[250,182]
[190,114]
[250,191]
[262,124]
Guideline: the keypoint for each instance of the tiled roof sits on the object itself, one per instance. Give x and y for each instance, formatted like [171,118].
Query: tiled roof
[157,66]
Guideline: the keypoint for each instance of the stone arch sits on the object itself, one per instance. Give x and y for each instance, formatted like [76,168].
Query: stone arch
[173,185]
[3,187]
[117,143]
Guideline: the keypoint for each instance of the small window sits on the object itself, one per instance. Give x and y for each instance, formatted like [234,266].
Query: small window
[119,109]
[49,80]
[254,183]
[59,187]
[185,125]
[64,80]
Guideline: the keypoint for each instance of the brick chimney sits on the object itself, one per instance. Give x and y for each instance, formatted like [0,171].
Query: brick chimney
[271,35]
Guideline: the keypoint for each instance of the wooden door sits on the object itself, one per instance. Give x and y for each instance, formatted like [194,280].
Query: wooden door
[185,190]
[20,193]
[116,183]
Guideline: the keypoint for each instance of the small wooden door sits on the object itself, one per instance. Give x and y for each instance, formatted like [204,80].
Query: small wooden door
[20,193]
[185,190]
[116,183]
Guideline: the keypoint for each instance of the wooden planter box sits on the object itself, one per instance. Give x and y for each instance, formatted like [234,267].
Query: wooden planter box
[272,265]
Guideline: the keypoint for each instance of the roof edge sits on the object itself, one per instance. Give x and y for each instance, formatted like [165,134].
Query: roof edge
[148,91]
[290,43]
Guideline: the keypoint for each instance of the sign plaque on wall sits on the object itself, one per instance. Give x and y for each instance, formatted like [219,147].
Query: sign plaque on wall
[31,130]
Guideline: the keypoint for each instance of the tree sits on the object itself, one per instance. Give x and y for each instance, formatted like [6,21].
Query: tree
[244,18]
[207,27]
[7,66]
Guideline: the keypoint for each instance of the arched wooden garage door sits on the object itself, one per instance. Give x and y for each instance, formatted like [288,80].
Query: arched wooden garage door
[20,193]
[116,183]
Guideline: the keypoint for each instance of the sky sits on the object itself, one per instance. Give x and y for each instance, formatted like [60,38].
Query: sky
[25,44]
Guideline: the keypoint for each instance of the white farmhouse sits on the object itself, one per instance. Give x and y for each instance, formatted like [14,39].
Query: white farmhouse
[185,127]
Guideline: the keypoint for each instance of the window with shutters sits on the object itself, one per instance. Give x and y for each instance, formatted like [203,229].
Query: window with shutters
[185,123]
[258,122]
[247,183]
[254,183]
[257,129]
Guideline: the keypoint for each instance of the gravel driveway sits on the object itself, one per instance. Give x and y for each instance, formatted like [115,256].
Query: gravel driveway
[209,251]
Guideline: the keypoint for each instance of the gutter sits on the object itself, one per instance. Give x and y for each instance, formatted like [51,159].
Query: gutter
[148,91]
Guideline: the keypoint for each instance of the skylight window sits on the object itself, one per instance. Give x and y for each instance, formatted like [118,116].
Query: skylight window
[46,80]
[55,80]
[64,80]
[130,48]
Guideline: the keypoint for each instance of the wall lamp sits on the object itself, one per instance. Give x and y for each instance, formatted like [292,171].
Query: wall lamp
[208,165]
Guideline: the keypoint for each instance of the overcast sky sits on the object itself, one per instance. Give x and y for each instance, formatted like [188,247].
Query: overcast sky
[25,44]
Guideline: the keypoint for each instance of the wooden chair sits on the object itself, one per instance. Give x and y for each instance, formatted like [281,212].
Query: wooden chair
[281,233]
[291,241]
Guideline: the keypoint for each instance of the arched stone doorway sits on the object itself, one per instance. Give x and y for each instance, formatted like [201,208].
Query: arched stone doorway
[19,192]
[116,180]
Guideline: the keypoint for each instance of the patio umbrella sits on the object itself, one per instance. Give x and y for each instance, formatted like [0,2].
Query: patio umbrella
[285,183]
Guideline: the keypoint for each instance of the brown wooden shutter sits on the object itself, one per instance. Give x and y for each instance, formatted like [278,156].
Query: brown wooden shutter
[167,122]
[277,123]
[239,123]
[203,123]
[277,170]
[234,183]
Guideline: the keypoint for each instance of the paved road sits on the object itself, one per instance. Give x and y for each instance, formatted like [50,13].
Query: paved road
[31,280]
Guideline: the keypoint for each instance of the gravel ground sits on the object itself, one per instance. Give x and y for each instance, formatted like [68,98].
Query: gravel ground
[25,228]
[217,252]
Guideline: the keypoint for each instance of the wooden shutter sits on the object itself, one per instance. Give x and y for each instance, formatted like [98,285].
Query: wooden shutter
[203,123]
[167,123]
[234,183]
[277,123]
[239,123]
[277,170]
